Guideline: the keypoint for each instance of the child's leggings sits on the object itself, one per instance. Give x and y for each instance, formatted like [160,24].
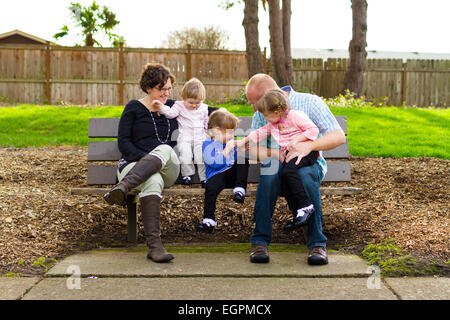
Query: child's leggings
[236,176]
[291,184]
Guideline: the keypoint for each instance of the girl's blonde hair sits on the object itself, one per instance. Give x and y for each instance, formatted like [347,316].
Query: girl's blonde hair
[223,119]
[273,100]
[193,89]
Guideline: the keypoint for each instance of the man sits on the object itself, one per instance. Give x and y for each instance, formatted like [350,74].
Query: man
[330,136]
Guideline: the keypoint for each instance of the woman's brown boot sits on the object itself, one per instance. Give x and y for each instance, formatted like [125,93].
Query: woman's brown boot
[150,210]
[142,170]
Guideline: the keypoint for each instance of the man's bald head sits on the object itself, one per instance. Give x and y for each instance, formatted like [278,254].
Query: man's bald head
[257,86]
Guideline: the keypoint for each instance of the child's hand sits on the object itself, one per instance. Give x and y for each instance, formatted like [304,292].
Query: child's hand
[230,146]
[158,105]
[281,156]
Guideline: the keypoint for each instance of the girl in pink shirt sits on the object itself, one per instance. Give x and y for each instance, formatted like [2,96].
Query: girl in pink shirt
[192,118]
[287,127]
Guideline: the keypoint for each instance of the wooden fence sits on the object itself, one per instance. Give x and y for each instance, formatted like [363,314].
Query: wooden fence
[109,76]
[415,82]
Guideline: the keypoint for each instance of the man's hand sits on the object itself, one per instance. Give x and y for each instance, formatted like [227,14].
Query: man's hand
[326,142]
[299,150]
[295,140]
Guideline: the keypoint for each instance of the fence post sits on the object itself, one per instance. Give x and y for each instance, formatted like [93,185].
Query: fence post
[47,73]
[188,63]
[325,76]
[404,84]
[121,61]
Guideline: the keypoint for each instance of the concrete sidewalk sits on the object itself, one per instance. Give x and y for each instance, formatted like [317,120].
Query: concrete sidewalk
[126,274]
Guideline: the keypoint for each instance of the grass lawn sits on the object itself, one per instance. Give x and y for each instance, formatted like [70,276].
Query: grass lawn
[397,132]
[33,125]
[376,132]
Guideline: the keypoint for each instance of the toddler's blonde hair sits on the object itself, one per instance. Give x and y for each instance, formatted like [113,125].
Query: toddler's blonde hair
[273,100]
[193,89]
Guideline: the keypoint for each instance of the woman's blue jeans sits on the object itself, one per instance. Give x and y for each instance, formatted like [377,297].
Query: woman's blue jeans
[267,195]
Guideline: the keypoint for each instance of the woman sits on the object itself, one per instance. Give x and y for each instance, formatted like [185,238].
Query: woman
[148,164]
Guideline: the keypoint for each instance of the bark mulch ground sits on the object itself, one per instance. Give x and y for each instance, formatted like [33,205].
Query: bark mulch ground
[40,220]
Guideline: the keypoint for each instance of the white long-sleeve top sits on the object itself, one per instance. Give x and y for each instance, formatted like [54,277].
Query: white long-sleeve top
[192,124]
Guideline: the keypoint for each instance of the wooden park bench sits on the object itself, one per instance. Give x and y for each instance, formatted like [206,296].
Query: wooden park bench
[105,173]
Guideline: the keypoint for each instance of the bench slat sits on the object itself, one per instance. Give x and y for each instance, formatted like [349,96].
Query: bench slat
[106,174]
[103,151]
[102,174]
[103,127]
[342,191]
[108,127]
[108,151]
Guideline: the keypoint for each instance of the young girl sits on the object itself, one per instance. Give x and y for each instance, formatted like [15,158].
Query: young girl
[221,172]
[287,127]
[192,117]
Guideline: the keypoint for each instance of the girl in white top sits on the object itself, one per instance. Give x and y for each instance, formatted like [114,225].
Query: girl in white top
[192,117]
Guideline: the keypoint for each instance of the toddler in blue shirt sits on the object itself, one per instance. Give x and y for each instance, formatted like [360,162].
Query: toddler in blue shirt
[221,172]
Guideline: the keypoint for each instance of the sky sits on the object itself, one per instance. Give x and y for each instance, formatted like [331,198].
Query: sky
[393,25]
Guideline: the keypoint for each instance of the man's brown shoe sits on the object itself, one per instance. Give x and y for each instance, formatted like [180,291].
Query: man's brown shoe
[259,254]
[317,256]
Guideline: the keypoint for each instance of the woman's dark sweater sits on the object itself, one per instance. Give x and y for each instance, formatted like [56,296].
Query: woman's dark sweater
[137,135]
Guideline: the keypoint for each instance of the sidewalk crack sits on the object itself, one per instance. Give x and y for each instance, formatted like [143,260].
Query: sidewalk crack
[28,289]
[391,289]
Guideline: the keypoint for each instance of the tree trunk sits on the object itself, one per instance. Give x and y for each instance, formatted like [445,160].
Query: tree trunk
[250,23]
[89,40]
[354,76]
[277,53]
[287,40]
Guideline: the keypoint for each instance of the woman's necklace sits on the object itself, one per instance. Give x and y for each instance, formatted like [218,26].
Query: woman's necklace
[156,129]
[154,124]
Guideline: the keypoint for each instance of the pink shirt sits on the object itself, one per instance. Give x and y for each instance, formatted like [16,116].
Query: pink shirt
[296,122]
[192,124]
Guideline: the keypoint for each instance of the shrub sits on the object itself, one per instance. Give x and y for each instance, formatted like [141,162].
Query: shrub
[238,99]
[349,100]
[391,259]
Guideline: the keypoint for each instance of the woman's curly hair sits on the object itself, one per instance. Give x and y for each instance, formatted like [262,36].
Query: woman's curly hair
[155,75]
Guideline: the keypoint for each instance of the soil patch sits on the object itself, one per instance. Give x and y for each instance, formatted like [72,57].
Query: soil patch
[405,199]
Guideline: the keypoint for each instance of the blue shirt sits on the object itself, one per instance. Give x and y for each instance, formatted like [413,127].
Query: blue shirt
[315,108]
[213,158]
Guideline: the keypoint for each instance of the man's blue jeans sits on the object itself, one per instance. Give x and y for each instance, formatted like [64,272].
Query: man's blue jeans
[266,198]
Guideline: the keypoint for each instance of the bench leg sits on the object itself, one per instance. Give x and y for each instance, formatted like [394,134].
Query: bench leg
[132,220]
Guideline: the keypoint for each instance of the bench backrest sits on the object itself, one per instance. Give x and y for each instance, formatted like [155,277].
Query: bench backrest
[107,151]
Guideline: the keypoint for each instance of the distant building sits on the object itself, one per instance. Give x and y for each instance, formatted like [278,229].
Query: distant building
[301,53]
[20,37]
